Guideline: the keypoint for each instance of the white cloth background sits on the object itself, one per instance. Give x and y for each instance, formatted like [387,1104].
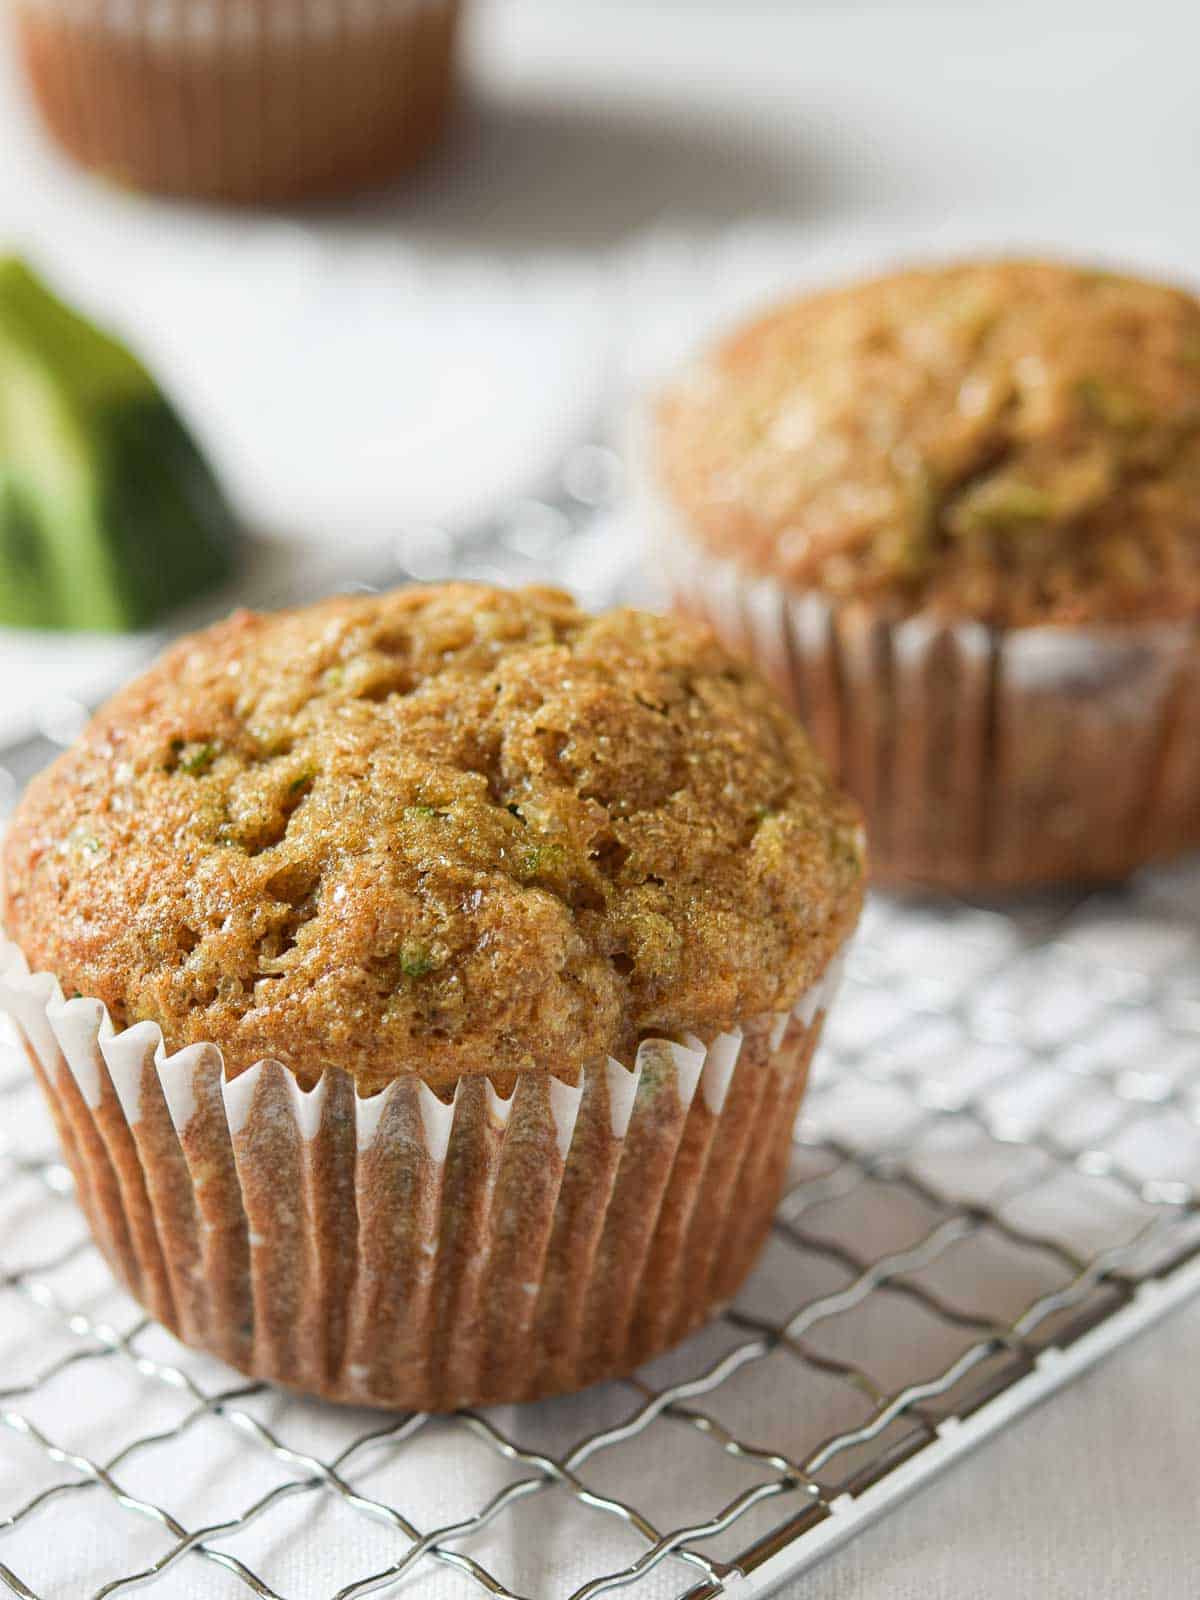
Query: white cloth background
[625,176]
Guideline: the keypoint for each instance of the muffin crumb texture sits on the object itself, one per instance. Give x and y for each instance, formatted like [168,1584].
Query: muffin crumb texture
[449,831]
[1015,442]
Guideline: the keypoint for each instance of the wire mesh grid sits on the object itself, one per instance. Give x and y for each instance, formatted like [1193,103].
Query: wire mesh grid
[997,1178]
[999,1156]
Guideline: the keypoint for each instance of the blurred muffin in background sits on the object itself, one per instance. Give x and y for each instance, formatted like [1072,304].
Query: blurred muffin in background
[955,515]
[241,100]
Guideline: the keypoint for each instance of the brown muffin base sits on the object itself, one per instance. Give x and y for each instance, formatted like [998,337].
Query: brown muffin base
[243,101]
[407,1253]
[985,759]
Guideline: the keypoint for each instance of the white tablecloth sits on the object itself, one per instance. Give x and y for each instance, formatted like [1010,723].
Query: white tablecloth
[626,176]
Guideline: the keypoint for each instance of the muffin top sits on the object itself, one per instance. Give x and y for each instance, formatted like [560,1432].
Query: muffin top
[444,831]
[1015,442]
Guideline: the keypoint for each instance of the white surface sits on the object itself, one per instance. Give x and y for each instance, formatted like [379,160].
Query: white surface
[419,356]
[953,1450]
[1092,1495]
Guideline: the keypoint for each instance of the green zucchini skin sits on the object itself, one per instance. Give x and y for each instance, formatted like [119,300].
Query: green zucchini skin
[110,517]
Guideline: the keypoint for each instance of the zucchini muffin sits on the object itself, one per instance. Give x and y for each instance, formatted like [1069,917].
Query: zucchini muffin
[446,968]
[249,101]
[954,514]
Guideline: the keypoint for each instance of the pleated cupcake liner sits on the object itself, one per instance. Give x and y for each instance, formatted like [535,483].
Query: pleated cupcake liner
[241,100]
[983,757]
[416,1250]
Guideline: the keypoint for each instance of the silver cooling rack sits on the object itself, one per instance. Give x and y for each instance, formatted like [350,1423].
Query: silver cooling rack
[994,1184]
[996,1181]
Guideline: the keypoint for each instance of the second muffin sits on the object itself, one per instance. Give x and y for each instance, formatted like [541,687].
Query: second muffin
[955,515]
[466,955]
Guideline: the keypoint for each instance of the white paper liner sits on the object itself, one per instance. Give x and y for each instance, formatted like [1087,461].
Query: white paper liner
[409,1250]
[983,757]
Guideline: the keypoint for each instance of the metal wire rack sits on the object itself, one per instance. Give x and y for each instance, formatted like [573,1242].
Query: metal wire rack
[997,1179]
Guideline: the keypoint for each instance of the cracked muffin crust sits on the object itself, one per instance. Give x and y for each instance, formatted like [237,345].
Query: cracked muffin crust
[1013,442]
[448,831]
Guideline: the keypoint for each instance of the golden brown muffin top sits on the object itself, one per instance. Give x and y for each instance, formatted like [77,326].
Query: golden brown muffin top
[1013,441]
[446,831]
